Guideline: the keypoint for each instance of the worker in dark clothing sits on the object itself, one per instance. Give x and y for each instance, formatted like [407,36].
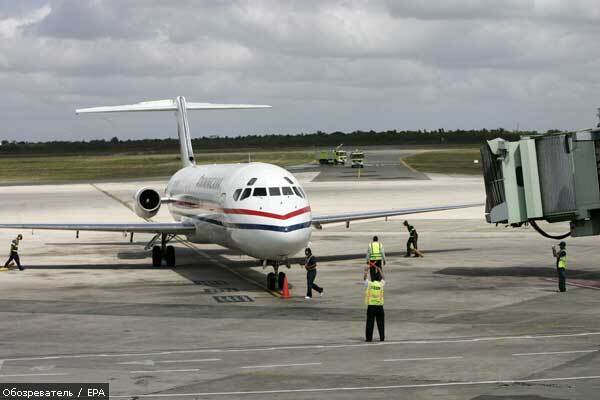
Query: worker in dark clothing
[561,265]
[375,257]
[374,303]
[311,273]
[411,243]
[14,252]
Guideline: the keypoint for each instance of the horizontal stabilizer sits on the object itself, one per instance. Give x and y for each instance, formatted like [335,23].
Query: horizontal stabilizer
[167,105]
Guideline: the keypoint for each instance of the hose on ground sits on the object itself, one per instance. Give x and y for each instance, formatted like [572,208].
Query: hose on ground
[545,234]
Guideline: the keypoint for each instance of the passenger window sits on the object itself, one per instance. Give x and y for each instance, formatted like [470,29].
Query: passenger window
[246,193]
[288,179]
[274,191]
[287,191]
[297,191]
[236,194]
[251,182]
[260,191]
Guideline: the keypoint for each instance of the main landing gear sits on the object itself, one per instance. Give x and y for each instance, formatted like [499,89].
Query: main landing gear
[276,279]
[163,251]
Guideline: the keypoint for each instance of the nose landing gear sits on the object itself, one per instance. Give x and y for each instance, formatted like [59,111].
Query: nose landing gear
[275,279]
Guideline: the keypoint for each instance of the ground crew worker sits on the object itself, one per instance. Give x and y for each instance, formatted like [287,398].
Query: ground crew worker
[374,303]
[561,265]
[14,252]
[413,237]
[311,273]
[375,257]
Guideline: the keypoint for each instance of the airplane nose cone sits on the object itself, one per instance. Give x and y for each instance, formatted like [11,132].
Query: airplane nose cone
[273,245]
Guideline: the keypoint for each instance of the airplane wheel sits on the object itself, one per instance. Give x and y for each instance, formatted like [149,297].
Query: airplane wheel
[170,256]
[280,279]
[271,281]
[156,256]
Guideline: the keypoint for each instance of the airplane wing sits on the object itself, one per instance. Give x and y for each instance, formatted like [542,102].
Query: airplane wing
[150,227]
[319,220]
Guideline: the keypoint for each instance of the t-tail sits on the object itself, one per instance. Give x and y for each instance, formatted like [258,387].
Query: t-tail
[180,106]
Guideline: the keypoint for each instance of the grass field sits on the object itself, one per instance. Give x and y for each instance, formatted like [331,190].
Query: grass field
[449,161]
[101,168]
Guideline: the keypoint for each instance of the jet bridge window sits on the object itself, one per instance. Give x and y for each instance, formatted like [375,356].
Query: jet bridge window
[287,191]
[297,192]
[260,191]
[246,193]
[236,194]
[274,191]
[251,182]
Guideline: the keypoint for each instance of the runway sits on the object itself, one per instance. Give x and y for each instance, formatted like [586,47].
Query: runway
[477,318]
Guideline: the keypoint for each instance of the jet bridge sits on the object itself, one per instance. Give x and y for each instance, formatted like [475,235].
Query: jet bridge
[552,177]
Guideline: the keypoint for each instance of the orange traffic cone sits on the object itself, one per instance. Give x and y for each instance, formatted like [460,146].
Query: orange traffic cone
[285,293]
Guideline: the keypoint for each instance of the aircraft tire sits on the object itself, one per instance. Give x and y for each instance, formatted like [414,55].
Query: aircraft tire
[271,281]
[280,279]
[170,256]
[156,256]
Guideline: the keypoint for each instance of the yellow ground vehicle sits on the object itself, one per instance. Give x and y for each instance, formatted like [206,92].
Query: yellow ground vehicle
[333,157]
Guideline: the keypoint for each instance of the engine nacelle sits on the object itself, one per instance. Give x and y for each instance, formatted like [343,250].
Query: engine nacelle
[146,202]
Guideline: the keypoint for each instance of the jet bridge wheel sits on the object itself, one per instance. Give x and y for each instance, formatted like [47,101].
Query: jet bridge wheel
[170,256]
[271,281]
[156,256]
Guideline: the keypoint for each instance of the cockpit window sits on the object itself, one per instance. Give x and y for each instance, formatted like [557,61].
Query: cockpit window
[259,191]
[287,191]
[302,191]
[288,179]
[236,194]
[246,193]
[297,191]
[251,182]
[274,191]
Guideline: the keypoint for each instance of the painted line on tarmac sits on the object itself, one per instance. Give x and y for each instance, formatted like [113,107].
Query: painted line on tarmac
[48,374]
[555,352]
[188,361]
[362,388]
[164,371]
[305,347]
[423,359]
[280,365]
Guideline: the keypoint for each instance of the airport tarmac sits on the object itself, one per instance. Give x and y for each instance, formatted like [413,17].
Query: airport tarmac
[477,318]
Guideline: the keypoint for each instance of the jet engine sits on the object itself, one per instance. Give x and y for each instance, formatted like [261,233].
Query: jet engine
[146,202]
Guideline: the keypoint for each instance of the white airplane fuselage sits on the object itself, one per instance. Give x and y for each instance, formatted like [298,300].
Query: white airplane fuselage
[258,209]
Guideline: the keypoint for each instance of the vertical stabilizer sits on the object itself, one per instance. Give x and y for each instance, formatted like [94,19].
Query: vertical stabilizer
[183,131]
[180,106]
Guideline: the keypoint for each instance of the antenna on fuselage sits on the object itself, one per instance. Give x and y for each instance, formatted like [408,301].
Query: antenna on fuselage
[180,106]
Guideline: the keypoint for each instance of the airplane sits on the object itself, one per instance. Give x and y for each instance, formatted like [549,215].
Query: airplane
[258,209]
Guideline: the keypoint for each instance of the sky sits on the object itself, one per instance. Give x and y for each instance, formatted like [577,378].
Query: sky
[322,65]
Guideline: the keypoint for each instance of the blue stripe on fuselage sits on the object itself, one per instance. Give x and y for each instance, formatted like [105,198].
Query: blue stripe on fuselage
[261,227]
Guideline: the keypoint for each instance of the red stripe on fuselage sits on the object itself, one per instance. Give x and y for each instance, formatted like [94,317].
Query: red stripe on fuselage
[244,211]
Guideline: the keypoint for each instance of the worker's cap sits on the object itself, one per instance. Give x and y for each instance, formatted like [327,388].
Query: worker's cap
[307,250]
[19,236]
[562,245]
[375,238]
[405,222]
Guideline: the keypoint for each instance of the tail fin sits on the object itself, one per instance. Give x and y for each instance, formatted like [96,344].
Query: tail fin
[180,107]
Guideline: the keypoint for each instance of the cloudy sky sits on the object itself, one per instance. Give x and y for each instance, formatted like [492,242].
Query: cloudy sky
[323,65]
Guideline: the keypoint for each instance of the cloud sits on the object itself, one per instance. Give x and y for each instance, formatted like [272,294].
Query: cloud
[324,65]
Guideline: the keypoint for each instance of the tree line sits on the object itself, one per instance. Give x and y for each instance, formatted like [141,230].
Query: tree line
[315,140]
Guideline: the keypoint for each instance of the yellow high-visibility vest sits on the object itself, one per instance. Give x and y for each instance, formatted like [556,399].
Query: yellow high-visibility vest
[562,262]
[374,294]
[375,251]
